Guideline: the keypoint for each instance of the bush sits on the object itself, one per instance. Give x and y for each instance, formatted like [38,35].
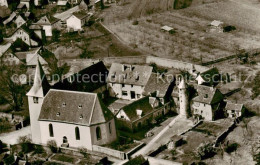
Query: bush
[229,28]
[52,145]
[135,22]
[38,149]
[206,151]
[9,160]
[83,151]
[180,143]
[231,148]
[26,144]
[86,54]
[2,147]
[55,35]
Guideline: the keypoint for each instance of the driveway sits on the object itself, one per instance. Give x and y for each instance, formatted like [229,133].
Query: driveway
[12,137]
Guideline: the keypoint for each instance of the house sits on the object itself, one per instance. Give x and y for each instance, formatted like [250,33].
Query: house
[167,28]
[27,36]
[77,20]
[63,4]
[210,77]
[26,3]
[234,110]
[48,23]
[164,90]
[141,113]
[216,26]
[3,3]
[19,20]
[91,79]
[128,81]
[9,58]
[208,103]
[10,18]
[37,29]
[83,121]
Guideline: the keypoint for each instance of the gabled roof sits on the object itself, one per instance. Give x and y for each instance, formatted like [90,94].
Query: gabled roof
[21,5]
[4,48]
[22,55]
[81,15]
[129,74]
[47,20]
[233,106]
[66,14]
[216,23]
[208,95]
[40,85]
[141,104]
[90,79]
[80,108]
[159,83]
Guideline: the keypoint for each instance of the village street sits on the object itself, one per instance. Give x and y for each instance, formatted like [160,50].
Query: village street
[177,126]
[12,137]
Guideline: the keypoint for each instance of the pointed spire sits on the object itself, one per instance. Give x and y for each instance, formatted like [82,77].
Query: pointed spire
[182,84]
[40,85]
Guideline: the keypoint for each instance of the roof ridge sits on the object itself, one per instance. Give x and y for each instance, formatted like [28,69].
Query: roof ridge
[91,115]
[71,91]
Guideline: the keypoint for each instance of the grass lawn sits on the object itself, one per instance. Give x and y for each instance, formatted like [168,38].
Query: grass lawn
[5,126]
[64,158]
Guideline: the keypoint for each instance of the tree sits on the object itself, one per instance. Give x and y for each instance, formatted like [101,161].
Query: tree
[1,36]
[55,35]
[2,147]
[206,151]
[11,87]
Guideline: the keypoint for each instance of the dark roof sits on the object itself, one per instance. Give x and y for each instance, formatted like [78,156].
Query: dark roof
[159,83]
[49,20]
[74,107]
[98,72]
[210,76]
[141,104]
[129,74]
[208,95]
[233,106]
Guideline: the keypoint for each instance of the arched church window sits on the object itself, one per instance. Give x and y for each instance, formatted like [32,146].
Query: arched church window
[98,133]
[51,130]
[77,133]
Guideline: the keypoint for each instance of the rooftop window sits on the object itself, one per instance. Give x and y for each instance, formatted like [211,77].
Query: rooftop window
[63,104]
[58,114]
[80,106]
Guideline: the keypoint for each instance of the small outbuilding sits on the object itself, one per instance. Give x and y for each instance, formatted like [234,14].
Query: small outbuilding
[234,110]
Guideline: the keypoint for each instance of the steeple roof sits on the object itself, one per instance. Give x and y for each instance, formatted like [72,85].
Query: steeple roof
[40,85]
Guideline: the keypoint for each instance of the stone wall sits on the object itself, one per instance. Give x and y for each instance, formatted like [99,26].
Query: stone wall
[117,154]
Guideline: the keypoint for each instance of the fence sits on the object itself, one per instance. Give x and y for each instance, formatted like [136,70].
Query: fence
[117,154]
[132,151]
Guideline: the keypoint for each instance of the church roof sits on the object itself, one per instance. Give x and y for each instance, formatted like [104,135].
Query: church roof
[40,85]
[129,74]
[80,108]
[86,80]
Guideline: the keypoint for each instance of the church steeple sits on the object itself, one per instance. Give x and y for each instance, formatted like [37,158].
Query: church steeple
[40,85]
[183,98]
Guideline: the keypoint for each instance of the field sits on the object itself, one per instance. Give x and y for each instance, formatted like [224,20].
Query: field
[190,40]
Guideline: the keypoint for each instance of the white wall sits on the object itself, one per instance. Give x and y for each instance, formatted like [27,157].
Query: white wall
[22,35]
[205,110]
[115,90]
[48,30]
[63,129]
[73,23]
[34,110]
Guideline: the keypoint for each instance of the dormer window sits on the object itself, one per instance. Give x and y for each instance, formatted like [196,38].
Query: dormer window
[113,75]
[35,100]
[63,104]
[58,114]
[80,106]
[139,113]
[206,96]
[123,85]
[81,117]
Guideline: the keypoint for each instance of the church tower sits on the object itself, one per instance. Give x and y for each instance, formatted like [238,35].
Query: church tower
[183,98]
[35,98]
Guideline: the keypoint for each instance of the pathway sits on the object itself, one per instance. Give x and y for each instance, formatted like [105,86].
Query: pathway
[12,137]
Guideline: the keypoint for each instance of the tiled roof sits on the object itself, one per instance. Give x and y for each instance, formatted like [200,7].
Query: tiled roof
[47,20]
[66,14]
[33,59]
[208,95]
[162,84]
[74,107]
[10,18]
[141,104]
[129,74]
[233,106]
[90,79]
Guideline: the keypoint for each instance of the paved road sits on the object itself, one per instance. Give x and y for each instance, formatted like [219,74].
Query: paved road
[177,125]
[11,138]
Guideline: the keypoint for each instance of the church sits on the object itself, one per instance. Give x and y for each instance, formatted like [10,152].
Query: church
[71,118]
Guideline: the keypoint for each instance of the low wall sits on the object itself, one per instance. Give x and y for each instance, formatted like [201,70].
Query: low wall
[165,62]
[117,154]
[132,151]
[125,60]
